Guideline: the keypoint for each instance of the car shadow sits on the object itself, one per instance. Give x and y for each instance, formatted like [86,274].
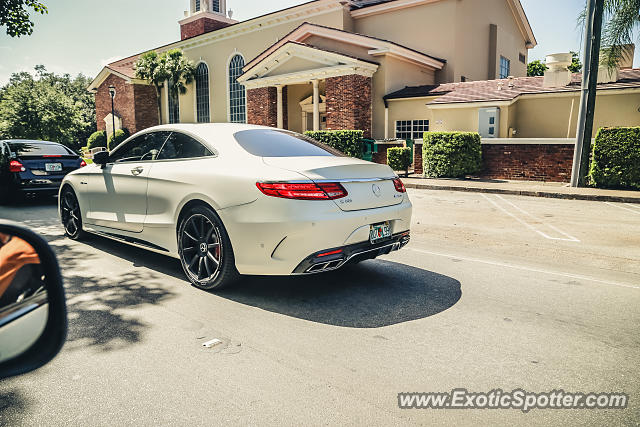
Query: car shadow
[371,294]
[13,403]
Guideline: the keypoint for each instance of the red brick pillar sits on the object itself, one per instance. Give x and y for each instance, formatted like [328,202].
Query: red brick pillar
[349,103]
[417,159]
[262,106]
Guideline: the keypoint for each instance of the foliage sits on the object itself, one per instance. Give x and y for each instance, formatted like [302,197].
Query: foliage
[616,158]
[621,22]
[118,138]
[451,154]
[348,142]
[171,67]
[97,139]
[399,158]
[47,106]
[14,15]
[576,65]
[536,68]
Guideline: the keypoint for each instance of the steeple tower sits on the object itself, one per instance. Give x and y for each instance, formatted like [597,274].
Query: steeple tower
[204,16]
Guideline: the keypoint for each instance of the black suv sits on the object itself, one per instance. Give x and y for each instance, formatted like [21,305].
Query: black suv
[34,167]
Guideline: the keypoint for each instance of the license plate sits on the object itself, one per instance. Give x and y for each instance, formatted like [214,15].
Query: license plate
[53,167]
[379,232]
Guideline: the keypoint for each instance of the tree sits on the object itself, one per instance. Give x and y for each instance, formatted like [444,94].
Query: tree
[171,68]
[536,68]
[14,15]
[47,106]
[576,65]
[621,21]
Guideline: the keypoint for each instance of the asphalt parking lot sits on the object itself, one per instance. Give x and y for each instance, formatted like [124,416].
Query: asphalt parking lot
[492,292]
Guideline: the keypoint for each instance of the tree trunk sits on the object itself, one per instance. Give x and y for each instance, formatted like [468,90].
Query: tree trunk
[159,99]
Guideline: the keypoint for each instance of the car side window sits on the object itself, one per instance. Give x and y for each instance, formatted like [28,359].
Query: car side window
[140,149]
[181,146]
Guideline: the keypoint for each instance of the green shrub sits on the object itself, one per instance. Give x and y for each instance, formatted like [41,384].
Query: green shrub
[347,141]
[399,158]
[616,158]
[118,138]
[97,139]
[451,154]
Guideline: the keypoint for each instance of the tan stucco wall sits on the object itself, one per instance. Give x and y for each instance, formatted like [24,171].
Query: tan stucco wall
[408,109]
[545,116]
[455,30]
[217,55]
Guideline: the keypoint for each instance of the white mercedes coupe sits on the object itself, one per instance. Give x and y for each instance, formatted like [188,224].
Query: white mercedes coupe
[234,199]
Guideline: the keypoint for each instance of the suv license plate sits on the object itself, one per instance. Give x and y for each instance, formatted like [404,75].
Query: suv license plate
[53,167]
[379,232]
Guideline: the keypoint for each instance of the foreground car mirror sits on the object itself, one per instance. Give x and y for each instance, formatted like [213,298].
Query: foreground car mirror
[101,158]
[33,314]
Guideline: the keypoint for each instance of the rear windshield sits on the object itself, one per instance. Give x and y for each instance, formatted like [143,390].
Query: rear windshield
[278,143]
[28,148]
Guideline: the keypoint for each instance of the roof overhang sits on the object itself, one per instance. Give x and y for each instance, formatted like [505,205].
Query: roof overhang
[327,64]
[388,7]
[523,23]
[376,46]
[102,76]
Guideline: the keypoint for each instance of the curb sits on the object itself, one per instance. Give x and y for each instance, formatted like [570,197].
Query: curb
[531,193]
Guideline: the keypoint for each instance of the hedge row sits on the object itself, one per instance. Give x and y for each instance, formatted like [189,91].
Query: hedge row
[118,138]
[399,158]
[347,141]
[97,139]
[451,154]
[616,158]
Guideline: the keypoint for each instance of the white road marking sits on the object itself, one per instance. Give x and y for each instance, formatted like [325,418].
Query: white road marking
[524,268]
[623,207]
[568,236]
[526,224]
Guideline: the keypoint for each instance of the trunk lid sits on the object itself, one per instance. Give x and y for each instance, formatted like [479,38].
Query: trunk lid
[370,185]
[58,165]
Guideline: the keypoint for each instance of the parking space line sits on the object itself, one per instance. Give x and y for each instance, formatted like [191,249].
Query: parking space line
[524,268]
[568,236]
[624,207]
[526,224]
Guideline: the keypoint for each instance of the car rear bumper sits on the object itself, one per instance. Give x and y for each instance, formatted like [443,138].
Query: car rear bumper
[274,237]
[320,263]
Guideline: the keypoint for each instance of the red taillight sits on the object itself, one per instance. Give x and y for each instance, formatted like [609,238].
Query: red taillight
[303,191]
[52,155]
[83,164]
[16,166]
[400,188]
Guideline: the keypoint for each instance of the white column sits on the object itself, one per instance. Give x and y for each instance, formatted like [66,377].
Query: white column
[316,105]
[280,109]
[386,122]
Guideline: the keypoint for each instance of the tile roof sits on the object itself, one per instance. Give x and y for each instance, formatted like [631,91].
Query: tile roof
[499,90]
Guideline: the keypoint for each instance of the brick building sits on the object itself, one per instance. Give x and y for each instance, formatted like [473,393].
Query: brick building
[392,68]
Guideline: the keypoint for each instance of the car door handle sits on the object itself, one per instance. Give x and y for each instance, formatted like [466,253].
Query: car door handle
[137,171]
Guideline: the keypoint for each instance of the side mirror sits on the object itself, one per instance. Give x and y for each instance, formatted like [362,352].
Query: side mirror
[33,313]
[101,158]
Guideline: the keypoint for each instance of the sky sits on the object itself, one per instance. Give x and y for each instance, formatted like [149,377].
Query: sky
[82,36]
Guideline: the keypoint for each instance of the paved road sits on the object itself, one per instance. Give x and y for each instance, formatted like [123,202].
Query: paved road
[493,292]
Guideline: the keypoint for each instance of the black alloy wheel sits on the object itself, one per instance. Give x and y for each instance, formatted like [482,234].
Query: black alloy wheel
[205,250]
[71,215]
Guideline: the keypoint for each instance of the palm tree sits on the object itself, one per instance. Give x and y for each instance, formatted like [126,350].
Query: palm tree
[170,68]
[622,18]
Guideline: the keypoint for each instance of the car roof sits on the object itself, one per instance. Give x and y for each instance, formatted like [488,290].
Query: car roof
[30,141]
[218,136]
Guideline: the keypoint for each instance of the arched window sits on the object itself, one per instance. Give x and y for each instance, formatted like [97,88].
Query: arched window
[237,95]
[202,93]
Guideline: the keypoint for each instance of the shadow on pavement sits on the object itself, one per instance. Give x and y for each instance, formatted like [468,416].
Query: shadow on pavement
[372,294]
[100,305]
[12,405]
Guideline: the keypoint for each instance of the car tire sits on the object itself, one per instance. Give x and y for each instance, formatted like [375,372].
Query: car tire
[71,215]
[205,250]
